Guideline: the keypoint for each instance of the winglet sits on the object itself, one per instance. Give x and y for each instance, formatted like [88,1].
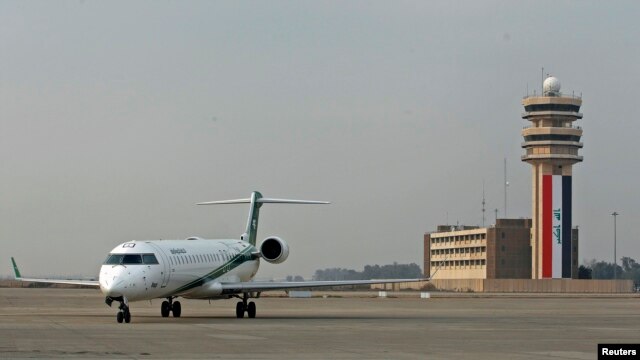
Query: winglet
[15,269]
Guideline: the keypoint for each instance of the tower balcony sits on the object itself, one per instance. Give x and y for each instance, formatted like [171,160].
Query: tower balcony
[562,100]
[548,143]
[568,158]
[566,131]
[551,114]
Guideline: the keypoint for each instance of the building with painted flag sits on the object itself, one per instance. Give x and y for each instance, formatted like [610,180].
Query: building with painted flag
[551,146]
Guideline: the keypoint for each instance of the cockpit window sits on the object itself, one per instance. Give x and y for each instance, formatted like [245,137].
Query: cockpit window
[131,259]
[114,259]
[149,259]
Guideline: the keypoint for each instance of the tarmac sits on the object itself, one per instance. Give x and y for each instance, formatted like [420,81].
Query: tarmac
[75,323]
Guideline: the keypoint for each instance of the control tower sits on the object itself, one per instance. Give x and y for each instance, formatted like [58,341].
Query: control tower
[551,146]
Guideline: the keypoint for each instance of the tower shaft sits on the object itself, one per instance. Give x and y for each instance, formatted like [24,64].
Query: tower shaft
[551,146]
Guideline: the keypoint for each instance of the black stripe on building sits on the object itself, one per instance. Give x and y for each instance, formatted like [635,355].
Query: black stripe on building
[566,227]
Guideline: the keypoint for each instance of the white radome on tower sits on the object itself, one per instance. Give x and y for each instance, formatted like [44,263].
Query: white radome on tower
[551,85]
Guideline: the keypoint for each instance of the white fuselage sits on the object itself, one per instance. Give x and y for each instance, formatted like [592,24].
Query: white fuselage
[192,268]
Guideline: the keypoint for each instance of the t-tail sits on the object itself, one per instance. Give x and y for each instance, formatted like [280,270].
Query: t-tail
[256,200]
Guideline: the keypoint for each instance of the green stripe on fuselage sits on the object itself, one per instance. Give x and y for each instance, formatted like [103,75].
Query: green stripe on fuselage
[241,258]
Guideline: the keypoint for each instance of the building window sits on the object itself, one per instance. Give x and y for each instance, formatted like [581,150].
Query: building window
[503,234]
[503,248]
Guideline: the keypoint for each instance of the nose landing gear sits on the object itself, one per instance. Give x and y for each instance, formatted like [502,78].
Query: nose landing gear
[123,315]
[169,306]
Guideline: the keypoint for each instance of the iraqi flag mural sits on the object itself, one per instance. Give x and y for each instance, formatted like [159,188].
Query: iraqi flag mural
[556,226]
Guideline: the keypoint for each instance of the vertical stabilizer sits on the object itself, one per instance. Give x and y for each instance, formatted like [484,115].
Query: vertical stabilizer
[251,231]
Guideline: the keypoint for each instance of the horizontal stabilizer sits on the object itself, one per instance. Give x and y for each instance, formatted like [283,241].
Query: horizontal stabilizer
[256,201]
[264,201]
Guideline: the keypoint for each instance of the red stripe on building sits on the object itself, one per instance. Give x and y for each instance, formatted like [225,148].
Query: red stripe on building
[547,207]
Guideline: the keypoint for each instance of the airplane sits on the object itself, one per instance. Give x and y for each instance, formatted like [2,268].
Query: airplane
[197,268]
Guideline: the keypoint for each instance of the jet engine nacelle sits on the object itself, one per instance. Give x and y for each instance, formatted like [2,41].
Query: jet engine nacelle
[274,250]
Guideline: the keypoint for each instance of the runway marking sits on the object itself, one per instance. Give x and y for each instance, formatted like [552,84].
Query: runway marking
[236,337]
[565,354]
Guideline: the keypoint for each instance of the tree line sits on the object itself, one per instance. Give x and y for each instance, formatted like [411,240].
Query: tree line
[628,269]
[392,271]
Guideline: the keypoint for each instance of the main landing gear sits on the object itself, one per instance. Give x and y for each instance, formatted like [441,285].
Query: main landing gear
[169,306]
[242,306]
[123,315]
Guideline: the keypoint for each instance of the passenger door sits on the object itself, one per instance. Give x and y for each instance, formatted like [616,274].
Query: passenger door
[166,266]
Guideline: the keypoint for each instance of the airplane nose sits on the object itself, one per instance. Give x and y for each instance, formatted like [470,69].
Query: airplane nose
[111,283]
[111,287]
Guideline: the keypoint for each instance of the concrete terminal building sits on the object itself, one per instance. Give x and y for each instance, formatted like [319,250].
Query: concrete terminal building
[501,251]
[467,252]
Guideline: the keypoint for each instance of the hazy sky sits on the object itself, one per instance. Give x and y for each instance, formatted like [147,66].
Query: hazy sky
[116,117]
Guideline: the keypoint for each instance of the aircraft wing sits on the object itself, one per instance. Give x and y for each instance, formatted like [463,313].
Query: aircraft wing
[93,283]
[259,286]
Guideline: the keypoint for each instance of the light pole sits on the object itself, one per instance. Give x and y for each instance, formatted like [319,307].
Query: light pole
[615,258]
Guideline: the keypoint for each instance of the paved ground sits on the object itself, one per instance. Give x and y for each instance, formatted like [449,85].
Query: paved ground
[45,323]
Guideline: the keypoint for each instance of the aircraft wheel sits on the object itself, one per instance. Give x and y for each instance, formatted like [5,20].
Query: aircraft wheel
[177,309]
[251,310]
[120,317]
[127,316]
[165,309]
[239,310]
